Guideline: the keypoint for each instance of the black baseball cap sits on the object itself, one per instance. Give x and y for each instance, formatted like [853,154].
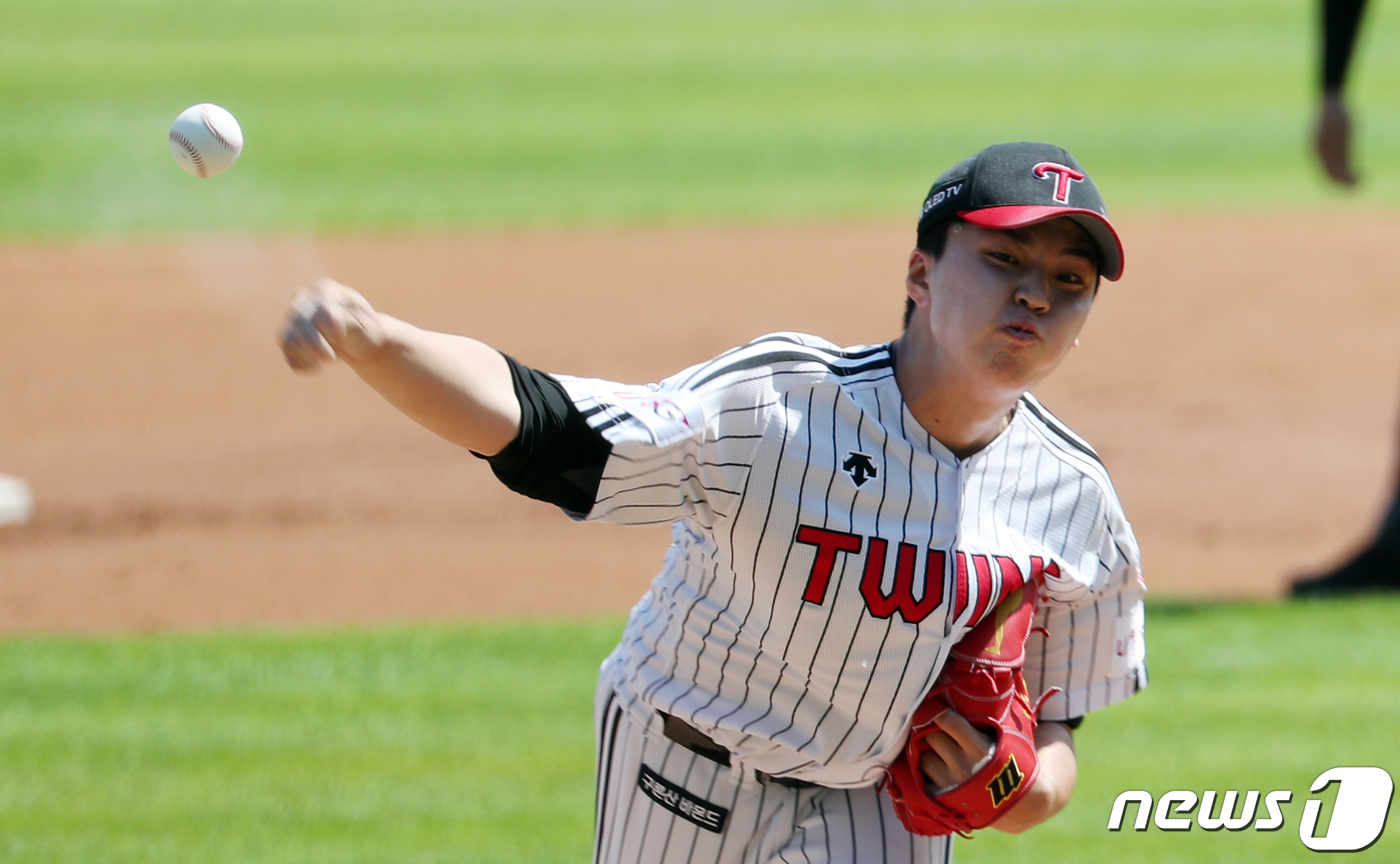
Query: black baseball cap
[1013,185]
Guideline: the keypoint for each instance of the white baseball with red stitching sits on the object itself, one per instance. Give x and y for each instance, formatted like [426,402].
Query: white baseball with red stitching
[205,140]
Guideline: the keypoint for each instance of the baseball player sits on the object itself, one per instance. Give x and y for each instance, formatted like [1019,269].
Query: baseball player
[841,518]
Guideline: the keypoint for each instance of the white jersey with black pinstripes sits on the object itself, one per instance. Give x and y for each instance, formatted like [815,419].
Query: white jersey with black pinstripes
[828,552]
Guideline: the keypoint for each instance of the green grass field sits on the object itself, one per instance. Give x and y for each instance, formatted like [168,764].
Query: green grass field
[447,113]
[419,745]
[473,743]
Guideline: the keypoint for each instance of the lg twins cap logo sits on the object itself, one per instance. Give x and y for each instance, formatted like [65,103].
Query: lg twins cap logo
[1064,175]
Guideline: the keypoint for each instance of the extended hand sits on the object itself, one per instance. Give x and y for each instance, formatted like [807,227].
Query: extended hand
[328,321]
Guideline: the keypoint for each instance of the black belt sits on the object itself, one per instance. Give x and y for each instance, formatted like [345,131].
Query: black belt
[701,744]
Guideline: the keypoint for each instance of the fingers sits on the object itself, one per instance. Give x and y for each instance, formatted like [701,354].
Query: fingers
[958,750]
[967,736]
[330,321]
[303,346]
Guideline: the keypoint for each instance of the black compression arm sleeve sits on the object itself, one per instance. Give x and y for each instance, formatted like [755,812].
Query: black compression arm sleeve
[556,457]
[1341,19]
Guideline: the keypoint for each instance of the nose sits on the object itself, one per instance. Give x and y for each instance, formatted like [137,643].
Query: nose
[1033,291]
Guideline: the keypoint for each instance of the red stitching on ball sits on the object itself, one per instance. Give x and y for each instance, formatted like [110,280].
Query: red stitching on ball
[204,115]
[189,150]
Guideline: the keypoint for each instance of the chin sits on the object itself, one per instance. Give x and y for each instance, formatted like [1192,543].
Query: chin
[1014,374]
[1010,366]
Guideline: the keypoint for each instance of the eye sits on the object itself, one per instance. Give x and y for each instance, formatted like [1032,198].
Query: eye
[1074,280]
[1003,257]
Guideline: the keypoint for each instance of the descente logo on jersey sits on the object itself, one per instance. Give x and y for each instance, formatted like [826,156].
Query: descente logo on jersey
[859,466]
[900,598]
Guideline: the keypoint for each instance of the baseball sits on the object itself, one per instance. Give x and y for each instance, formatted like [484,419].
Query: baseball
[205,140]
[16,501]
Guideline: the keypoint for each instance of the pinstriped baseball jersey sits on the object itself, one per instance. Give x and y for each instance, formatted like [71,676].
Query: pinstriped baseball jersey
[828,552]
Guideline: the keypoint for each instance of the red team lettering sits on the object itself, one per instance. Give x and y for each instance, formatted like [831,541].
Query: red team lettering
[901,598]
[828,543]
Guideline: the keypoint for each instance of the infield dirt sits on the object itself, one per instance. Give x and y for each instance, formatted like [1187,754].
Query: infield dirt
[1241,382]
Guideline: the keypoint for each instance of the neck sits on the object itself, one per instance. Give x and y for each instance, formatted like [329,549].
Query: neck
[948,403]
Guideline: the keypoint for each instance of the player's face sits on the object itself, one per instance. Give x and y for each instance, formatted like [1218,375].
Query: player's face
[1006,306]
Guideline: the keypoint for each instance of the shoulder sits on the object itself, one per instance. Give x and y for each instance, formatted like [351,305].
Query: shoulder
[1054,432]
[1054,439]
[1079,496]
[1057,437]
[737,392]
[786,360]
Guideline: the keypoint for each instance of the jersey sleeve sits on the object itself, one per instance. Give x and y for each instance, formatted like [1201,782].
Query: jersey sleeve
[678,449]
[1091,646]
[657,453]
[555,457]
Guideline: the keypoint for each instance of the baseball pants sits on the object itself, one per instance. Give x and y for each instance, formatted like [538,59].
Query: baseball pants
[661,803]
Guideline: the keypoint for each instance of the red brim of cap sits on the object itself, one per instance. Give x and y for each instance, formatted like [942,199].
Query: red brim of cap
[1021,215]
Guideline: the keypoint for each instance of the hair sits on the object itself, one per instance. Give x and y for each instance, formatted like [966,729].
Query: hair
[932,239]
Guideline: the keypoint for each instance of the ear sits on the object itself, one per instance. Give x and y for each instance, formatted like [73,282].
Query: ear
[917,282]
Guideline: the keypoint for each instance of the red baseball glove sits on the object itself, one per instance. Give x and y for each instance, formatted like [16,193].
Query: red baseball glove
[981,681]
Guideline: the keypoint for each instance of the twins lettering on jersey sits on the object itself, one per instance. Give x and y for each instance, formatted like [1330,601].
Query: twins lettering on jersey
[900,598]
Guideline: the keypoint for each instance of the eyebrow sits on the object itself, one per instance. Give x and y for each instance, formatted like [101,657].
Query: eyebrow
[1088,253]
[1085,252]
